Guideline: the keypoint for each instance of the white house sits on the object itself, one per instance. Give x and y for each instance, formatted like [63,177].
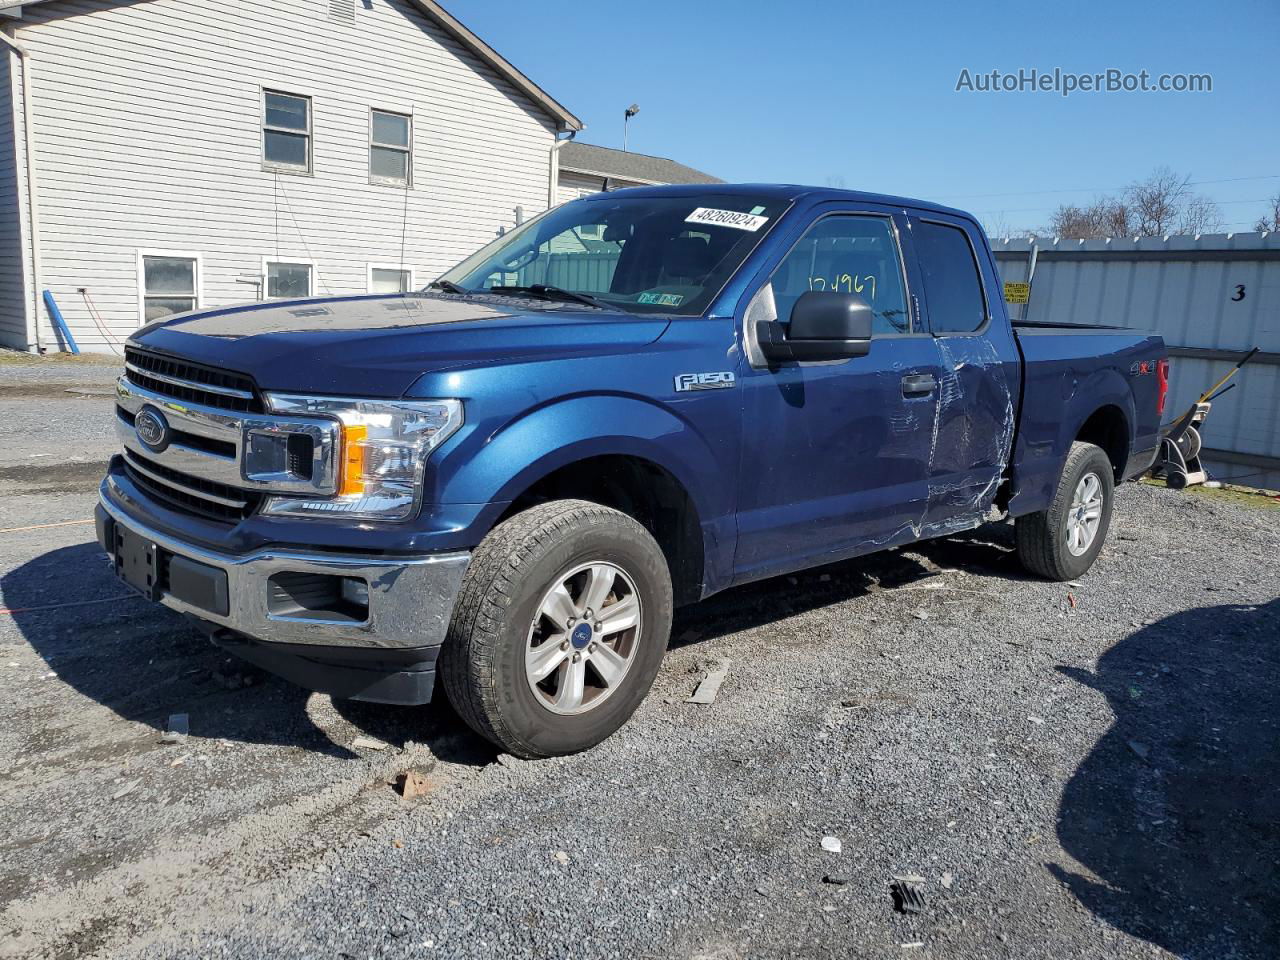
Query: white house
[157,155]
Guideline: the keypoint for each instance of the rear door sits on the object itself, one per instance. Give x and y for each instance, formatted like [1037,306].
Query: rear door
[977,393]
[835,453]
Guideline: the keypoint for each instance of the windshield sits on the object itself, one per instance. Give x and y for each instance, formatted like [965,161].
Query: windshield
[640,254]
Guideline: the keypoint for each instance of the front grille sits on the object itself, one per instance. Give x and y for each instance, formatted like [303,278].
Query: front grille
[191,382]
[206,498]
[193,441]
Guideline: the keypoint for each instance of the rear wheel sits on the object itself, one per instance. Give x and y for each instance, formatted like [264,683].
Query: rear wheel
[559,628]
[1062,542]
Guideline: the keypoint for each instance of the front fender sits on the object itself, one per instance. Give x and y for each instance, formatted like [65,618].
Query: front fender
[498,467]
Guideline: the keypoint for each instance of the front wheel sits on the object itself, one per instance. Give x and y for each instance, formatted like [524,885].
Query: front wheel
[1062,542]
[559,628]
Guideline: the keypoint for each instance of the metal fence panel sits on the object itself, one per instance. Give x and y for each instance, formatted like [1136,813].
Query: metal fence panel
[1211,297]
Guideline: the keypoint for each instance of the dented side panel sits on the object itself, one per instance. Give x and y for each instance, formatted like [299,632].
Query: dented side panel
[974,434]
[978,401]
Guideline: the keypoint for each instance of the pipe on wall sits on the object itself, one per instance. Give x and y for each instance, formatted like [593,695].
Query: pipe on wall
[33,195]
[553,167]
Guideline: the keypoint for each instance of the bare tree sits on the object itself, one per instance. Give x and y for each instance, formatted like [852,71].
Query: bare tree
[1270,221]
[1159,205]
[1199,214]
[997,227]
[1156,202]
[1105,217]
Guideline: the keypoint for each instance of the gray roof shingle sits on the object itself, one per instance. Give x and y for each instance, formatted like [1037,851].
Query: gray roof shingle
[606,162]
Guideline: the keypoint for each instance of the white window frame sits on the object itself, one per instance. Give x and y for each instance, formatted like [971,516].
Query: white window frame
[406,150]
[368,276]
[311,276]
[309,169]
[172,255]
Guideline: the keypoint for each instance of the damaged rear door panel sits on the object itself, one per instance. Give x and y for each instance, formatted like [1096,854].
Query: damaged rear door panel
[973,438]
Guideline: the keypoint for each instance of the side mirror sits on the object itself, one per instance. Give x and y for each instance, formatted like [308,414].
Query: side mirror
[824,326]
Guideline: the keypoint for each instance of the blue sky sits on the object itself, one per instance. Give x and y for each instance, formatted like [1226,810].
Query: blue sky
[863,94]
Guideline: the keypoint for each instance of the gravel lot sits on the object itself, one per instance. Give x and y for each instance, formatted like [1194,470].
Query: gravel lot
[1074,771]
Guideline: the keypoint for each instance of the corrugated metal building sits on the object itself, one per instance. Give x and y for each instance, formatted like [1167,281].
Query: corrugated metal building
[1211,297]
[202,152]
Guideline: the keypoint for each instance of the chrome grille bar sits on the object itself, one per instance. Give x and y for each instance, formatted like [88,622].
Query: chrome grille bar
[188,384]
[193,490]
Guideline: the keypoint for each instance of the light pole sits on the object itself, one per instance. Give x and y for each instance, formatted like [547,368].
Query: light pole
[630,112]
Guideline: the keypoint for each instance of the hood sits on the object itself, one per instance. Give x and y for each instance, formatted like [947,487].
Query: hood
[377,346]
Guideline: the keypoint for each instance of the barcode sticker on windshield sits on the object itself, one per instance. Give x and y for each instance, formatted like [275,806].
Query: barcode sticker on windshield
[726,218]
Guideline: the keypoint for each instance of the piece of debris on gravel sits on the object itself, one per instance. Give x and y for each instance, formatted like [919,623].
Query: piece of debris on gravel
[126,790]
[411,784]
[367,743]
[177,729]
[710,685]
[831,844]
[908,893]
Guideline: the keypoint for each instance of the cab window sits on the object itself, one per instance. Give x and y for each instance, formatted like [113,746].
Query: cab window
[847,254]
[952,287]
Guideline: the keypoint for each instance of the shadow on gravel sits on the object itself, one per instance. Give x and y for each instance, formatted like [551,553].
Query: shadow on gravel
[987,550]
[145,662]
[1176,811]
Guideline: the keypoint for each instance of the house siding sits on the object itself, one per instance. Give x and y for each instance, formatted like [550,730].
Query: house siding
[148,123]
[572,185]
[13,279]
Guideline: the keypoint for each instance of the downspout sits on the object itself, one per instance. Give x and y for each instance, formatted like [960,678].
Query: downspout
[33,195]
[553,168]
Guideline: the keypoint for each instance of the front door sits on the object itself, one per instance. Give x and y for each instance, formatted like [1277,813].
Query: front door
[836,453]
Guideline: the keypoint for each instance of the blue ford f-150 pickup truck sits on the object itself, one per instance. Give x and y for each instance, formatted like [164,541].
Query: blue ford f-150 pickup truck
[629,403]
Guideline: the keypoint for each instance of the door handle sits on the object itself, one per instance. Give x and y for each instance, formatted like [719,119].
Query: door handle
[918,384]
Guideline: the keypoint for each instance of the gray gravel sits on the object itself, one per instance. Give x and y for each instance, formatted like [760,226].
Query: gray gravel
[1095,769]
[31,413]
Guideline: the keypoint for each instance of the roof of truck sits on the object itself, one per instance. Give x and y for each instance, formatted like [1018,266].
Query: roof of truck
[789,191]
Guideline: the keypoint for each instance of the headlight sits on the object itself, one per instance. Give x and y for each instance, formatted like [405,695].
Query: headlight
[381,455]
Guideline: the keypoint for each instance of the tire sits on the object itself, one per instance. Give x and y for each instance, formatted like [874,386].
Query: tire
[516,574]
[1045,540]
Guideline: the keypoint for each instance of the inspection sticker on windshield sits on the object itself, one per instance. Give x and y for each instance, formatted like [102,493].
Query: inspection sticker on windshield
[662,299]
[726,218]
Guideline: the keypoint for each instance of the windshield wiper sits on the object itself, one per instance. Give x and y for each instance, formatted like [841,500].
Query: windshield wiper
[548,292]
[448,286]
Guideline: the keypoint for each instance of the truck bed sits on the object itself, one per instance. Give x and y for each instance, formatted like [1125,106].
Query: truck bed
[1071,370]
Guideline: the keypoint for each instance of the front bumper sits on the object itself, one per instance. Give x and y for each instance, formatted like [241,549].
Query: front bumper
[256,605]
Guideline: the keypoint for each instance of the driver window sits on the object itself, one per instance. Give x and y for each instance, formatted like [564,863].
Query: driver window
[846,254]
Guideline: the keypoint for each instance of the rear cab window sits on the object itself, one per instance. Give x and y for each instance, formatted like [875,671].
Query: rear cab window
[952,281]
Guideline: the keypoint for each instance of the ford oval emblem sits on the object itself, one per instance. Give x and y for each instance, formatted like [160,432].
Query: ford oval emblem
[152,429]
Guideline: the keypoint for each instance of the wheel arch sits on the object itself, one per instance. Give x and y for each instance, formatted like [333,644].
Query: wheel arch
[618,451]
[644,490]
[1108,427]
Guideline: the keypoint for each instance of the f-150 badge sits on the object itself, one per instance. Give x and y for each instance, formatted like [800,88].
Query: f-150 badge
[704,381]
